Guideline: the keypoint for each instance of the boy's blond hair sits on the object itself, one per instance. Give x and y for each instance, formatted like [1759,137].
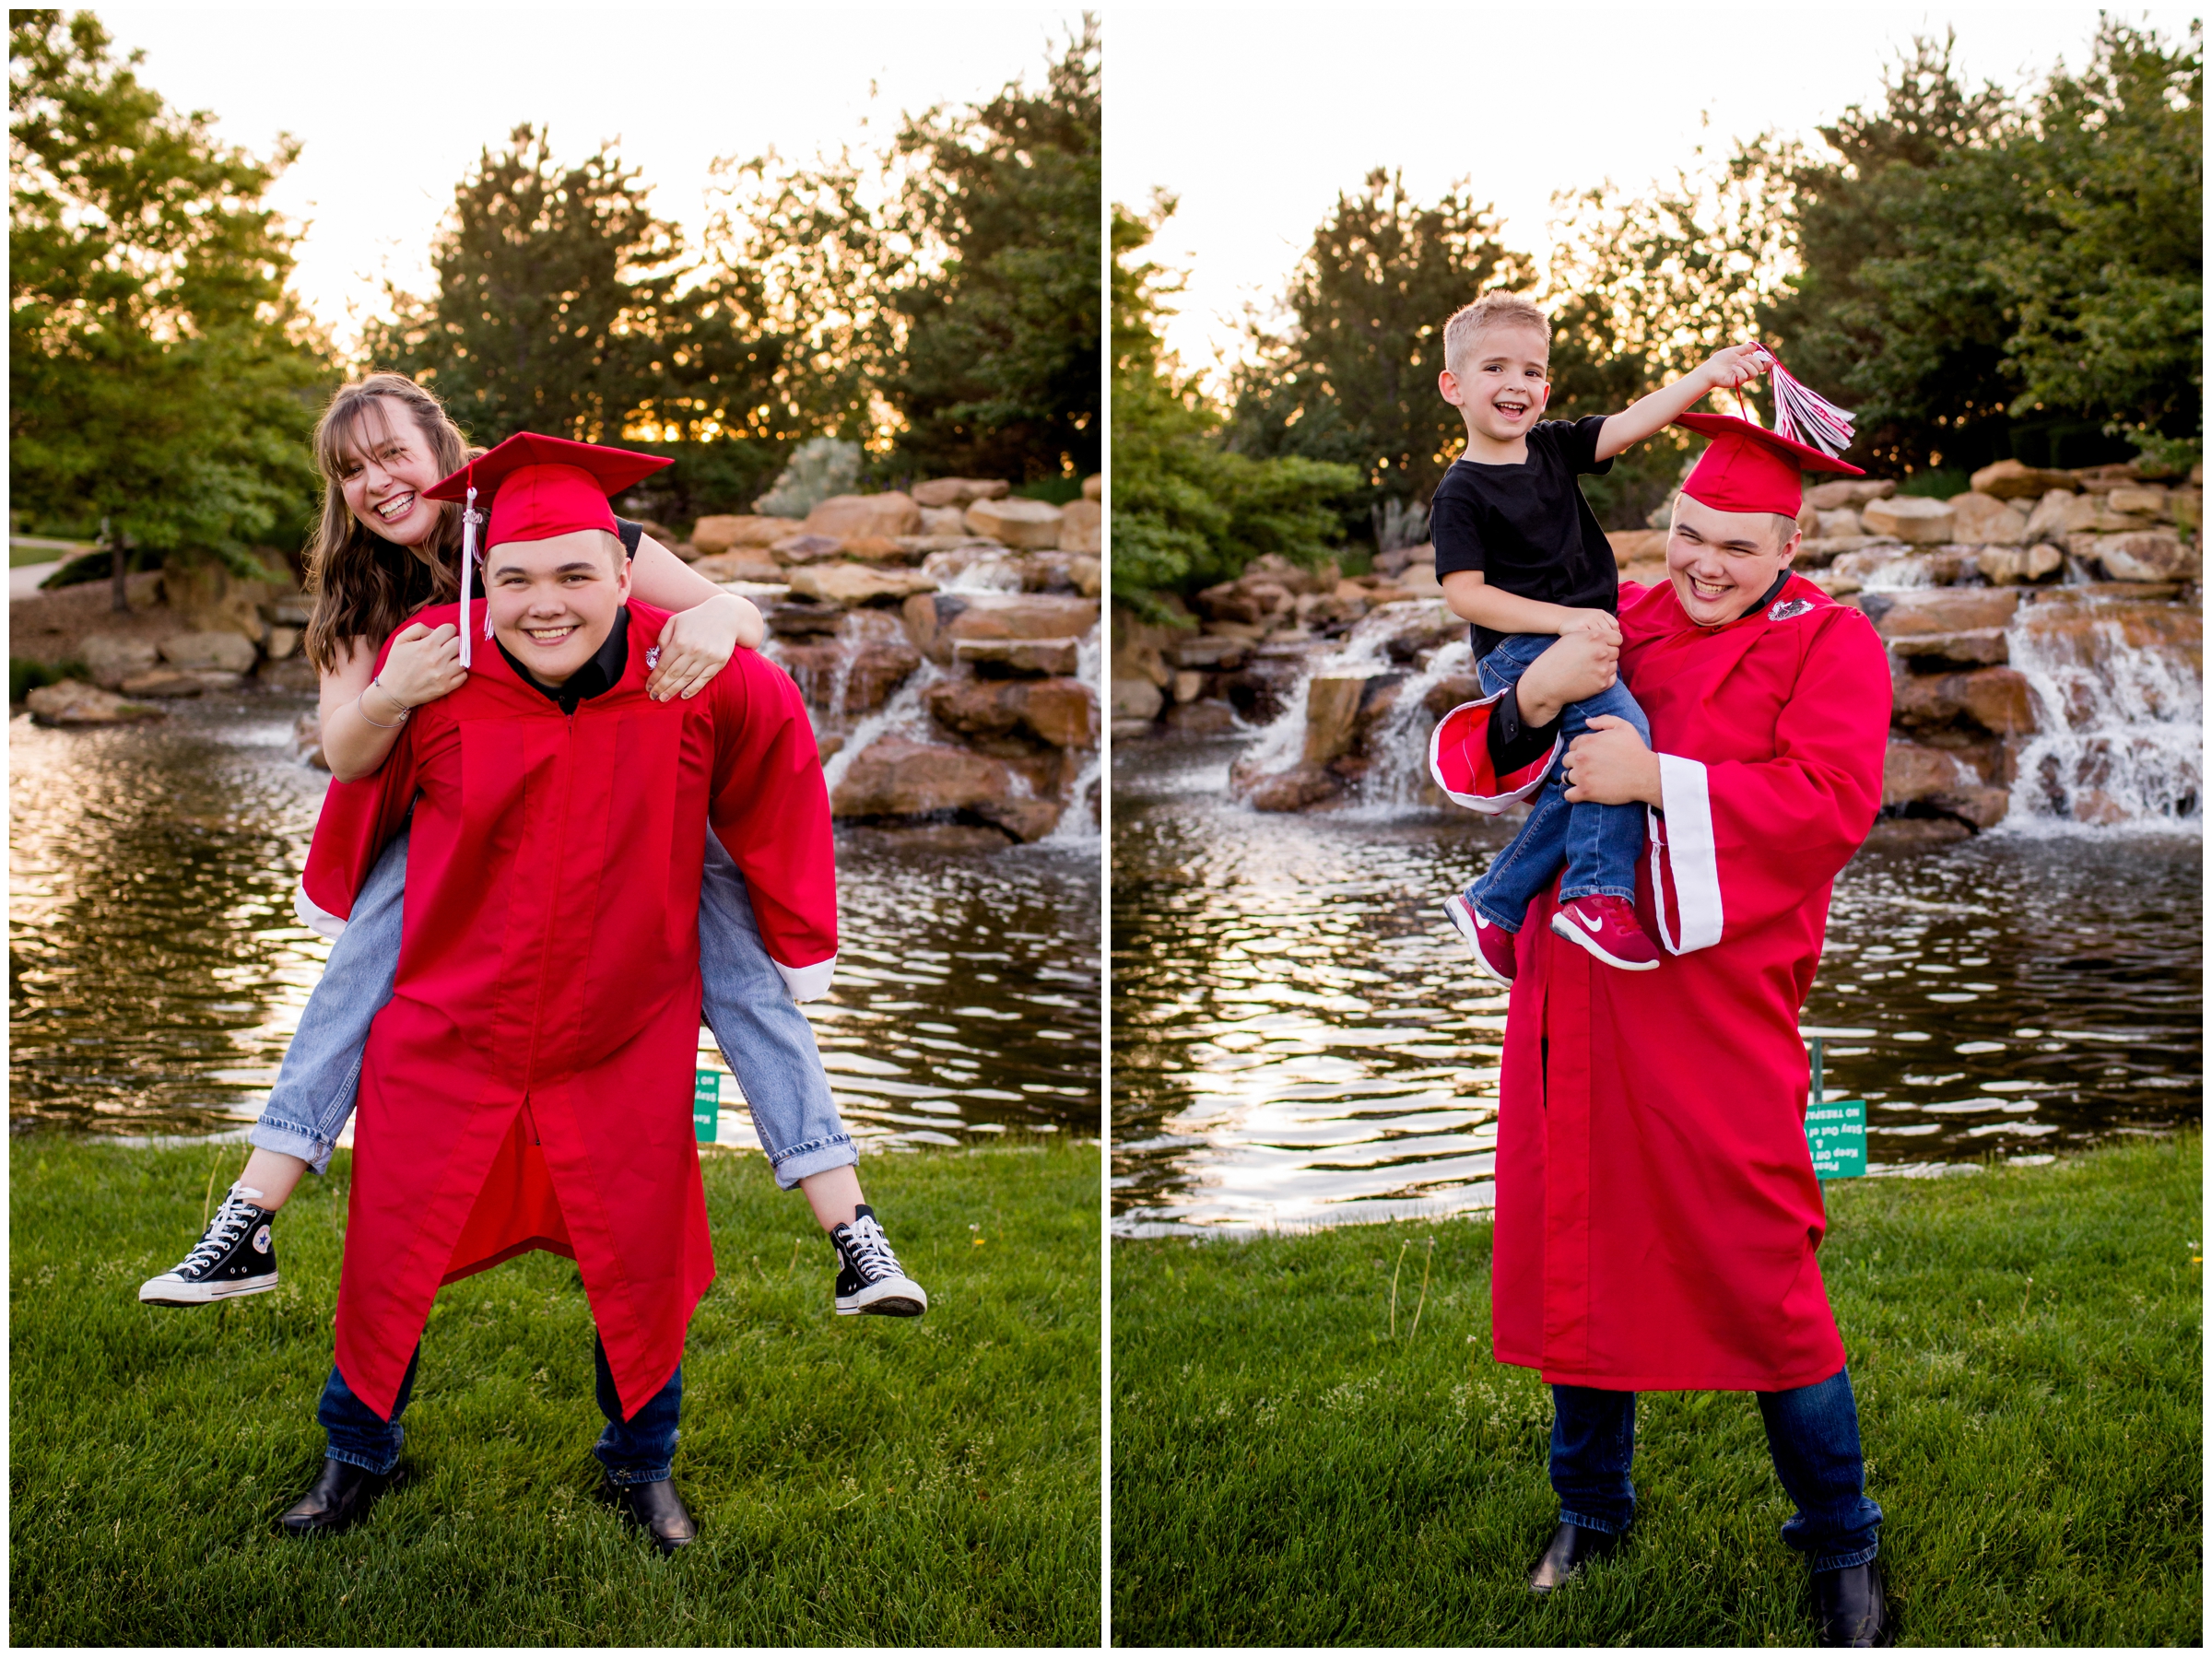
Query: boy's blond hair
[1492,309]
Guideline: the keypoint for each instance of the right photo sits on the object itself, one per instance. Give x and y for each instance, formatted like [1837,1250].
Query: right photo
[1656,829]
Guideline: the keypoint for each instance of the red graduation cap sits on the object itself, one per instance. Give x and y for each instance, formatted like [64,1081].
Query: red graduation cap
[547,486]
[1748,468]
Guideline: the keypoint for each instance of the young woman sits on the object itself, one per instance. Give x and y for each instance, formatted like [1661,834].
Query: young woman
[382,552]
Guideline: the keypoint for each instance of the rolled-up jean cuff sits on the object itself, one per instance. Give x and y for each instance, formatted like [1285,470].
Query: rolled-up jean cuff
[1604,1527]
[1863,1556]
[352,1458]
[816,1155]
[636,1476]
[291,1142]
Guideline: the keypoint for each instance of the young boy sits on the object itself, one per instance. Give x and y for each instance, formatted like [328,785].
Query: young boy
[1522,559]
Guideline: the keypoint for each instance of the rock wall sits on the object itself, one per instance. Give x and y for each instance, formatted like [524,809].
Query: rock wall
[2044,631]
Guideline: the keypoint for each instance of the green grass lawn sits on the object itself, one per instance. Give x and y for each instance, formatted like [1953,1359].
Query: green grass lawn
[2025,1346]
[857,1480]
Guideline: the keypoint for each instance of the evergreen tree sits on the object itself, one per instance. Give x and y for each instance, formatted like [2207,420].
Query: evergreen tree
[161,379]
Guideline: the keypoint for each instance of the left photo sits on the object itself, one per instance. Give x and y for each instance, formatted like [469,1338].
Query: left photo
[554,825]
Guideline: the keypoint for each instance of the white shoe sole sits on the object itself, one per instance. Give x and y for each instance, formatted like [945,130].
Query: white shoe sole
[1575,934]
[166,1290]
[893,1298]
[1462,915]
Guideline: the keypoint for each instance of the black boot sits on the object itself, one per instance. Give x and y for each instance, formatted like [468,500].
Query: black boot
[338,1498]
[1572,1546]
[658,1510]
[1849,1607]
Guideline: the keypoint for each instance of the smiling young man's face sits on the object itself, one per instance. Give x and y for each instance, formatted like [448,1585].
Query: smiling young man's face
[553,602]
[1722,563]
[1502,388]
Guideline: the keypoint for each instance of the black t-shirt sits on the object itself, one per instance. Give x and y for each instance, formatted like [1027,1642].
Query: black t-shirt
[630,534]
[1527,527]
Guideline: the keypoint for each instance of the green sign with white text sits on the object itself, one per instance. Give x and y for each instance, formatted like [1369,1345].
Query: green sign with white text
[706,1104]
[1836,1130]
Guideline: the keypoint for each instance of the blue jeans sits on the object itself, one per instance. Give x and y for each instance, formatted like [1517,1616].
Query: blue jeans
[1598,844]
[1812,1432]
[764,1038]
[636,1451]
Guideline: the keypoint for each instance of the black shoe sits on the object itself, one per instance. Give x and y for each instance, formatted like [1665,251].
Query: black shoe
[869,1278]
[657,1510]
[1572,1545]
[340,1497]
[1849,1607]
[235,1255]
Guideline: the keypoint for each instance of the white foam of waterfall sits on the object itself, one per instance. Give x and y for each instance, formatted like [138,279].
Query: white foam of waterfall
[902,715]
[1399,744]
[2120,727]
[1281,742]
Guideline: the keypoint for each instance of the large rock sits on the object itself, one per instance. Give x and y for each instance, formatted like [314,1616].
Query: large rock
[1082,527]
[891,513]
[1914,519]
[726,531]
[1059,712]
[165,683]
[959,491]
[227,653]
[1019,658]
[73,702]
[1936,780]
[751,564]
[1138,699]
[2015,480]
[2142,499]
[1976,647]
[1298,789]
[1930,610]
[1025,525]
[2154,555]
[897,777]
[944,520]
[1848,491]
[851,584]
[938,621]
[2010,565]
[1833,526]
[1995,699]
[1985,520]
[2053,516]
[1094,487]
[112,658]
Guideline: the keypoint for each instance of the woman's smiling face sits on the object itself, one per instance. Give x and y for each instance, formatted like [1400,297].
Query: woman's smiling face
[386,468]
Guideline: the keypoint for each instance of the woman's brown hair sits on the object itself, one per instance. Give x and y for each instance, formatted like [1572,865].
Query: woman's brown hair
[364,586]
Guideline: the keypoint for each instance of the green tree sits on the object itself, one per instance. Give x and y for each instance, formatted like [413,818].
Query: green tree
[1187,511]
[997,374]
[161,379]
[2108,298]
[564,305]
[1351,377]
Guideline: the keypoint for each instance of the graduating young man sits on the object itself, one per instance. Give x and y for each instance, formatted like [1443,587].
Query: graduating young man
[529,1083]
[1658,1217]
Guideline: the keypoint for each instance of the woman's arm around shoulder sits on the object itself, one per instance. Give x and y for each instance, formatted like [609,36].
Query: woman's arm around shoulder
[707,628]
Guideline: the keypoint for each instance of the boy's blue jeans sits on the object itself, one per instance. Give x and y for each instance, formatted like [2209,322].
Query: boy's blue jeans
[1813,1433]
[765,1039]
[1598,844]
[636,1451]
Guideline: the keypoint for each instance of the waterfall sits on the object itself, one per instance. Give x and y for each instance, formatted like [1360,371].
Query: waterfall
[1280,743]
[903,709]
[2118,690]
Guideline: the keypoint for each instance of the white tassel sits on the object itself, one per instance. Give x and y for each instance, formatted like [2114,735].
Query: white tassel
[468,559]
[1802,415]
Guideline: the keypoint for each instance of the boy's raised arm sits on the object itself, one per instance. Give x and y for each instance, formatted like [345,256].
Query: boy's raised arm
[1723,371]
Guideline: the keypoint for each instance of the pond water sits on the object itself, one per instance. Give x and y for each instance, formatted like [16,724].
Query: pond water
[1300,1037]
[156,970]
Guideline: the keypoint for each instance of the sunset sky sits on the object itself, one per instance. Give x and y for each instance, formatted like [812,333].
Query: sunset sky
[394,104]
[1257,120]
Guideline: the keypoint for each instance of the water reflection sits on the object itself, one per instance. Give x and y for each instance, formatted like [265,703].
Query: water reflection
[157,971]
[1298,1036]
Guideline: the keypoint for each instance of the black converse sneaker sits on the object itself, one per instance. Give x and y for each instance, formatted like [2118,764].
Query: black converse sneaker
[869,1278]
[235,1256]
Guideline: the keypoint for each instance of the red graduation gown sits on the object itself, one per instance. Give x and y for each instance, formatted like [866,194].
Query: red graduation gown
[1658,1216]
[529,1083]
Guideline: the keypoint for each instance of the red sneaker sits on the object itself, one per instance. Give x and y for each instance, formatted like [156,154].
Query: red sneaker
[1607,927]
[1491,943]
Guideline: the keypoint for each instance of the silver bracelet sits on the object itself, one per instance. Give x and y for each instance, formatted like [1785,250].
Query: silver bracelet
[404,711]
